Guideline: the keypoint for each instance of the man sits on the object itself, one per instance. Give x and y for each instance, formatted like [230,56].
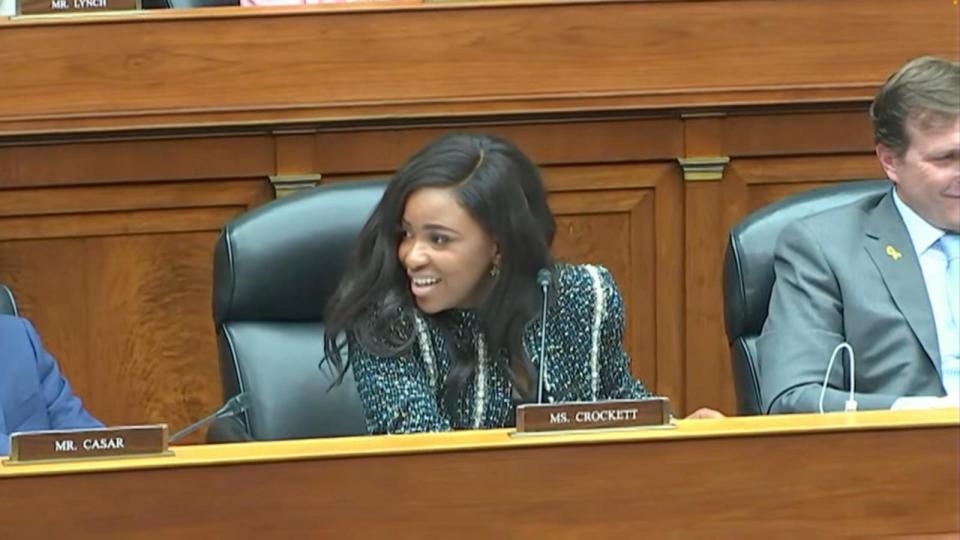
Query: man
[33,394]
[880,274]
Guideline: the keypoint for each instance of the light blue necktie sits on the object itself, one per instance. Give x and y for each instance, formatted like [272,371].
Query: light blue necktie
[949,244]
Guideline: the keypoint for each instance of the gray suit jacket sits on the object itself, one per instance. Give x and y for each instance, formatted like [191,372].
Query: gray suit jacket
[848,274]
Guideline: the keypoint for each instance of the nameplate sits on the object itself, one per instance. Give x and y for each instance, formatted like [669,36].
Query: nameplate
[56,7]
[76,444]
[611,414]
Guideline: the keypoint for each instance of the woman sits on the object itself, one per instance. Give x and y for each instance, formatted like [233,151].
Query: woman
[439,305]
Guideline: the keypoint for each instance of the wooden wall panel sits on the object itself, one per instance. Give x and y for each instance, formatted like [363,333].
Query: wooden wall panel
[627,230]
[757,172]
[830,132]
[122,161]
[184,68]
[122,297]
[547,143]
[127,317]
[615,229]
[708,382]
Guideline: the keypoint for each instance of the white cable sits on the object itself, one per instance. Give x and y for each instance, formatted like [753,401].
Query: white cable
[851,404]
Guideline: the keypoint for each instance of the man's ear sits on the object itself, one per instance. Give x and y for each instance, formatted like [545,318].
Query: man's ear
[889,160]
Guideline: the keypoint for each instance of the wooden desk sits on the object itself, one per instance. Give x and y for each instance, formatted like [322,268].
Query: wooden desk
[866,474]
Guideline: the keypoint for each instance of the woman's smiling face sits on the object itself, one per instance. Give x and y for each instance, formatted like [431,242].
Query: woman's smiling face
[447,255]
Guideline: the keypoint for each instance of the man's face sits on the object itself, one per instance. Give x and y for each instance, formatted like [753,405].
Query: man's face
[927,175]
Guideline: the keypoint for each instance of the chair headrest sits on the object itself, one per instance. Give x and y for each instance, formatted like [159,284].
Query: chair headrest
[748,266]
[281,261]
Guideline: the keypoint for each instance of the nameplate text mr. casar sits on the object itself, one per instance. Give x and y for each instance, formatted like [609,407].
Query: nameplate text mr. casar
[74,444]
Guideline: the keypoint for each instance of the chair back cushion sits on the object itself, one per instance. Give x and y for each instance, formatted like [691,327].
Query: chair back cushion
[291,397]
[274,270]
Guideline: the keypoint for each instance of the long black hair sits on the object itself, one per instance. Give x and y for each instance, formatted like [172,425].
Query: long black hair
[502,190]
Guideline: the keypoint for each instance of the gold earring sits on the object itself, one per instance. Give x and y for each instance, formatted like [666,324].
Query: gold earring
[495,268]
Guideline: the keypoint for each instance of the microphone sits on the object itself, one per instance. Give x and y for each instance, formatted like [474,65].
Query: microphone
[851,404]
[544,277]
[234,406]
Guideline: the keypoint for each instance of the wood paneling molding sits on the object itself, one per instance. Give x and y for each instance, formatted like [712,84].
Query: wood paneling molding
[288,184]
[703,169]
[128,196]
[162,70]
[829,132]
[148,159]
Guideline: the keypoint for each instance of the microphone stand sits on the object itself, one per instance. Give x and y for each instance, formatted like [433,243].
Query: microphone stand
[234,406]
[543,278]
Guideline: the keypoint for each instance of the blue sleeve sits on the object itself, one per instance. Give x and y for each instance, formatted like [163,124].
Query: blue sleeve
[396,394]
[64,409]
[616,380]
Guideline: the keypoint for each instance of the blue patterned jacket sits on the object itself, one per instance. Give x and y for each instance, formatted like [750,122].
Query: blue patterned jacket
[585,362]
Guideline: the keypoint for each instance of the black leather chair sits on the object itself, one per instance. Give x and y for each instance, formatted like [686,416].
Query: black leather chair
[274,269]
[8,304]
[748,276]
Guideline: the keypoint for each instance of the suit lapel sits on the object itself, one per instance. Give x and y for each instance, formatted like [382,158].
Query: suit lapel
[889,245]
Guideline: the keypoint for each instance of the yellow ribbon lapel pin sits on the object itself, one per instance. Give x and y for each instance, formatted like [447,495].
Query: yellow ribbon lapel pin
[893,253]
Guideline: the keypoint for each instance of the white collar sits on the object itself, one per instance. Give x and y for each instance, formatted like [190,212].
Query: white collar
[922,233]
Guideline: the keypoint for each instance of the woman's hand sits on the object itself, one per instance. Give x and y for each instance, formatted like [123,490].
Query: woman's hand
[704,412]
